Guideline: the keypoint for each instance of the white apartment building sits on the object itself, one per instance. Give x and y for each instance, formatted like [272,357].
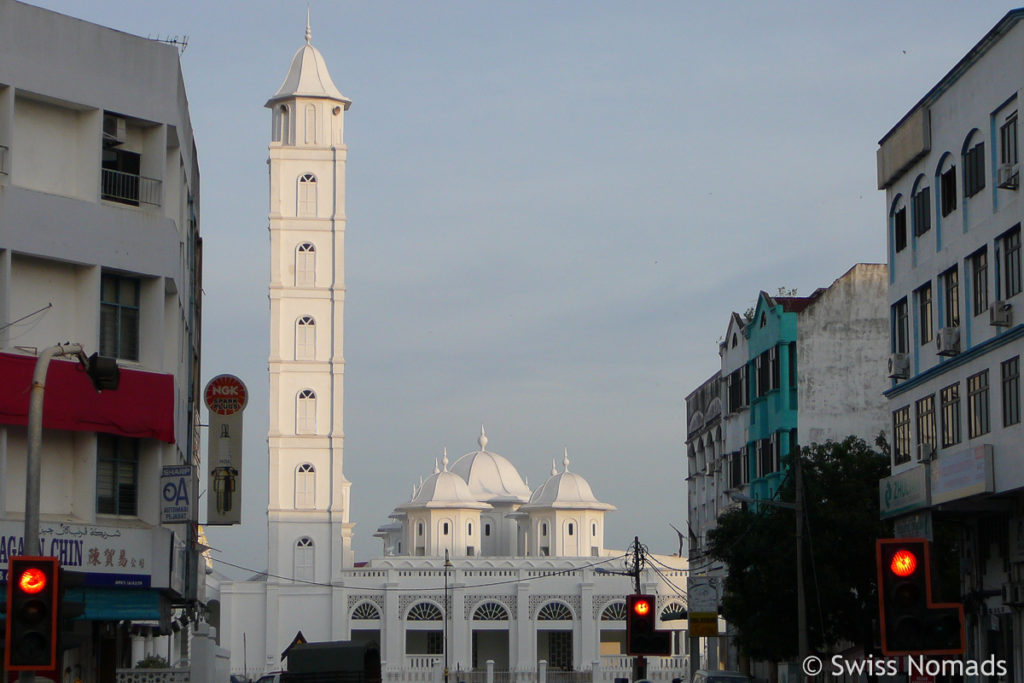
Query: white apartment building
[100,245]
[475,567]
[950,171]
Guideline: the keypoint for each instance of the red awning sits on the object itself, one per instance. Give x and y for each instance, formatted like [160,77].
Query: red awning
[141,407]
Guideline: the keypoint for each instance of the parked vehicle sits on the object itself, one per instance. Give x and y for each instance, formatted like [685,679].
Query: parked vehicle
[706,676]
[334,662]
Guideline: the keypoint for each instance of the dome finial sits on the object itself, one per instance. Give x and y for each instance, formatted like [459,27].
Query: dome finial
[309,33]
[554,470]
[444,461]
[436,468]
[483,439]
[565,459]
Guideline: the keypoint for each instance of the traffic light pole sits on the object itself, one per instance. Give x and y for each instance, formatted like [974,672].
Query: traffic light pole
[803,645]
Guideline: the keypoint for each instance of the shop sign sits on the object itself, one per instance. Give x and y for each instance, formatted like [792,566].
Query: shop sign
[176,491]
[702,606]
[963,474]
[226,398]
[903,492]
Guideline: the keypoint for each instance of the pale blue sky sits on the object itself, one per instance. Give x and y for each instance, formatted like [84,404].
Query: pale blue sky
[552,209]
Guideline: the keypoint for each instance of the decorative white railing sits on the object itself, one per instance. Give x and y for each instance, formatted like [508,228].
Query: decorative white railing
[153,676]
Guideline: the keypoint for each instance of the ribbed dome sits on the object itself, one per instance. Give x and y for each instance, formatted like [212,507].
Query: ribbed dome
[444,489]
[565,490]
[491,477]
[308,76]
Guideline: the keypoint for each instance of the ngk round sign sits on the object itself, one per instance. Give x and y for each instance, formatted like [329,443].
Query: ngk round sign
[226,397]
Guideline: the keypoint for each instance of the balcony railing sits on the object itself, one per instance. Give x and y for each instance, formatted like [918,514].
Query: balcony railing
[128,188]
[153,676]
[5,155]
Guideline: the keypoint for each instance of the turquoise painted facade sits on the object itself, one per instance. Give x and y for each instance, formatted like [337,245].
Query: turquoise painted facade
[772,366]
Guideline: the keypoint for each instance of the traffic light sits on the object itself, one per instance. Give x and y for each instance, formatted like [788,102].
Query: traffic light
[69,610]
[910,622]
[30,642]
[641,636]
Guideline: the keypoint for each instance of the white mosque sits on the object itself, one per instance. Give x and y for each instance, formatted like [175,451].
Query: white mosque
[477,572]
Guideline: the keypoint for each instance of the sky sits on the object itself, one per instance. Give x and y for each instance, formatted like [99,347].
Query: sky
[553,207]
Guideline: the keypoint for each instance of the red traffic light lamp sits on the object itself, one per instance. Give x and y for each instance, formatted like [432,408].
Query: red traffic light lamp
[30,642]
[910,622]
[641,636]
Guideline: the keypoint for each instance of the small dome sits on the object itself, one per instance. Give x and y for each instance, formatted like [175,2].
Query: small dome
[308,76]
[444,489]
[491,477]
[565,490]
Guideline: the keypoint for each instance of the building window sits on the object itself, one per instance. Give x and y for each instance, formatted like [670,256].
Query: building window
[737,389]
[921,211]
[974,170]
[305,487]
[305,265]
[444,528]
[977,405]
[469,529]
[305,412]
[924,312]
[305,338]
[900,326]
[419,529]
[117,475]
[570,528]
[307,195]
[424,611]
[1011,391]
[487,529]
[925,408]
[593,529]
[950,399]
[766,456]
[282,132]
[947,186]
[304,559]
[951,288]
[1008,140]
[365,611]
[899,227]
[120,177]
[979,281]
[119,317]
[1011,262]
[554,611]
[544,529]
[901,435]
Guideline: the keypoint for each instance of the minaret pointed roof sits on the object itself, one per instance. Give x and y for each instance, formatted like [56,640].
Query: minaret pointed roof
[308,76]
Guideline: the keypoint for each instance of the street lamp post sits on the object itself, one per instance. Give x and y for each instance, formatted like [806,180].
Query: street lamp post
[447,611]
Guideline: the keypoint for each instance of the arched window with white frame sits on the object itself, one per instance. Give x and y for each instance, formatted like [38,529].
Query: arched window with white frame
[304,559]
[305,338]
[305,412]
[305,486]
[307,195]
[305,265]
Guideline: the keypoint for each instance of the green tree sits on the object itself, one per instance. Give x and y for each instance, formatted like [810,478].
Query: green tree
[842,523]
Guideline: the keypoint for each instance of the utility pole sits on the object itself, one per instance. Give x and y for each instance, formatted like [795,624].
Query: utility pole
[803,647]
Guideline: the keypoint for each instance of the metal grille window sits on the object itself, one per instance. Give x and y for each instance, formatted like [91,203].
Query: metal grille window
[977,405]
[979,281]
[922,211]
[1010,371]
[924,313]
[900,326]
[1011,262]
[901,435]
[947,187]
[899,228]
[119,317]
[554,611]
[117,475]
[492,611]
[950,399]
[365,611]
[974,170]
[951,286]
[424,611]
[925,408]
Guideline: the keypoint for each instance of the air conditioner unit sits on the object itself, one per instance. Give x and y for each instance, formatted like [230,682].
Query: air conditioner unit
[925,452]
[1001,314]
[1008,176]
[899,366]
[1013,594]
[947,341]
[115,130]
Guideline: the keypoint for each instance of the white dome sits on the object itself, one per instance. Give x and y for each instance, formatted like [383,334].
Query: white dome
[491,477]
[444,489]
[565,490]
[308,76]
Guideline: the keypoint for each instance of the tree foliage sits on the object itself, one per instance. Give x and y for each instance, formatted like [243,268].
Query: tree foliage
[841,525]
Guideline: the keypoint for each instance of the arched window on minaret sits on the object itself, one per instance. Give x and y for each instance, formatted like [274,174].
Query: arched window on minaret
[305,487]
[310,124]
[305,412]
[305,338]
[305,265]
[304,559]
[281,134]
[307,195]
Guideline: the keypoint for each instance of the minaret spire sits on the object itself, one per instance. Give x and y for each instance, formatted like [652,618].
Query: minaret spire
[309,33]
